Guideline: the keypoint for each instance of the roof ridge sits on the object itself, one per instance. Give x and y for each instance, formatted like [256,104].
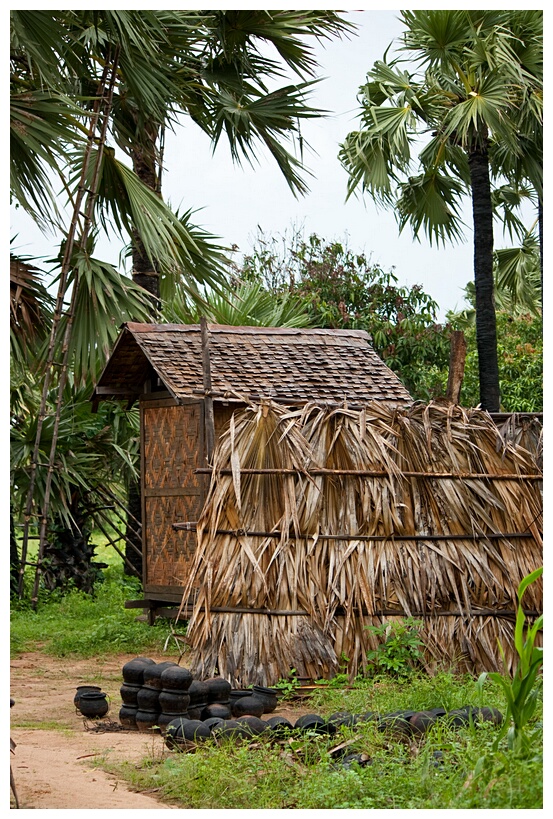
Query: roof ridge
[136,327]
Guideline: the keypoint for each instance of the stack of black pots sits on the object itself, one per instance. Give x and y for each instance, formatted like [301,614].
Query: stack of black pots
[133,680]
[156,694]
[174,697]
[218,699]
[149,706]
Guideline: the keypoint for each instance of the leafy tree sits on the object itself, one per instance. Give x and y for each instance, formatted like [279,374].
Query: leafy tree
[340,288]
[479,106]
[247,303]
[84,83]
[520,359]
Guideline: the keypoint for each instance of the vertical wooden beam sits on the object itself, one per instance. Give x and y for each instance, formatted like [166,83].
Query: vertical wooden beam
[208,400]
[457,355]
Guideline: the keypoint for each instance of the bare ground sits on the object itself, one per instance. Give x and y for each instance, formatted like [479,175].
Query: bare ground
[58,754]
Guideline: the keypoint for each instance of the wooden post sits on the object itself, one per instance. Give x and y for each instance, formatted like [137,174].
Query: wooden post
[208,400]
[458,351]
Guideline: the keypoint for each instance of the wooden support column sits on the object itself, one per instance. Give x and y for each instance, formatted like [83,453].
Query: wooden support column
[457,356]
[208,399]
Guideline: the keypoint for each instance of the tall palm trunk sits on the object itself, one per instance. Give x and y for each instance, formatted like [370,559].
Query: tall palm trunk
[145,165]
[486,332]
[540,233]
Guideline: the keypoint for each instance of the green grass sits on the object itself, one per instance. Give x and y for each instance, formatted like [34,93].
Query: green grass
[100,624]
[299,772]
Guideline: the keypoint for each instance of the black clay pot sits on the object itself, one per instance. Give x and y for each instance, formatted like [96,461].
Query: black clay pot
[176,678]
[129,693]
[244,706]
[216,709]
[253,725]
[183,731]
[367,716]
[218,689]
[195,711]
[211,722]
[422,721]
[316,723]
[152,674]
[198,692]
[175,702]
[165,718]
[147,698]
[93,704]
[461,716]
[81,689]
[279,725]
[397,722]
[231,729]
[127,717]
[342,718]
[147,720]
[133,671]
[236,693]
[268,697]
[487,714]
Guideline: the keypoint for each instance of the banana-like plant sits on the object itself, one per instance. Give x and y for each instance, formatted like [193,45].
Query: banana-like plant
[520,690]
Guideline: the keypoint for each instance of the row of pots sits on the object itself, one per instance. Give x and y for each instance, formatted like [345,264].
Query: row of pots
[153,694]
[181,733]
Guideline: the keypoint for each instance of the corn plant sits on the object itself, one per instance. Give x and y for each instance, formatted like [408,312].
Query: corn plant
[520,690]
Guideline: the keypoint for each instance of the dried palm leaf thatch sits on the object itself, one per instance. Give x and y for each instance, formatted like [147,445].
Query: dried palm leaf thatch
[367,515]
[526,432]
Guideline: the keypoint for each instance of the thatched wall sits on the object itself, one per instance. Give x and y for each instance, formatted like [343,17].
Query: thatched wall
[362,516]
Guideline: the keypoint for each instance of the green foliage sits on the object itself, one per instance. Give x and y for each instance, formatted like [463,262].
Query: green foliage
[289,685]
[439,771]
[343,289]
[100,624]
[520,359]
[400,652]
[522,689]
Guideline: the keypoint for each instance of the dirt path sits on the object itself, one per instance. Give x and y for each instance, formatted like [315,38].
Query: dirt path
[58,767]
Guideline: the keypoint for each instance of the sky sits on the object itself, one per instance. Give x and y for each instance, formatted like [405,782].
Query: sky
[234,202]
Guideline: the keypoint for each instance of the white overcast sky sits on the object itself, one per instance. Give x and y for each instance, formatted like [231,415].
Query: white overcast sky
[233,201]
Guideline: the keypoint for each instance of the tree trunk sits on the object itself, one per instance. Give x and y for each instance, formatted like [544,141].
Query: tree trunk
[144,158]
[146,275]
[540,235]
[14,559]
[458,350]
[486,333]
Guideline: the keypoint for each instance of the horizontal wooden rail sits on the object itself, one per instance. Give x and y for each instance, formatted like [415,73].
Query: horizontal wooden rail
[192,527]
[378,613]
[506,476]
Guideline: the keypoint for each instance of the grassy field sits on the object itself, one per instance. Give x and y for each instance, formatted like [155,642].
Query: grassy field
[446,768]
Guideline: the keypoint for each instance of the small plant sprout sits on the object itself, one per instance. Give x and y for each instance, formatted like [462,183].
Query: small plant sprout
[401,650]
[520,689]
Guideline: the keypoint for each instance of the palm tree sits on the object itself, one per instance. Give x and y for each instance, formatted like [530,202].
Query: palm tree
[479,107]
[80,80]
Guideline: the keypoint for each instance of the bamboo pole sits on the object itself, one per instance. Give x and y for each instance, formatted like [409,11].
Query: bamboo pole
[112,542]
[91,193]
[56,318]
[371,473]
[208,399]
[191,527]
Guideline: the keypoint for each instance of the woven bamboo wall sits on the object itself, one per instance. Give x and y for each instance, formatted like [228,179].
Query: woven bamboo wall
[172,447]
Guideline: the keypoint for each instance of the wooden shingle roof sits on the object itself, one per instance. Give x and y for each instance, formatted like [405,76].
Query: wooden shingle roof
[288,365]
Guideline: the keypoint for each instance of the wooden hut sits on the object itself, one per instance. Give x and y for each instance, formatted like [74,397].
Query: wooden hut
[188,380]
